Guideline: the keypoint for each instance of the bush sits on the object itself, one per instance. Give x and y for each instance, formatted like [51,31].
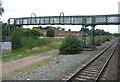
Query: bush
[36,32]
[116,34]
[70,45]
[50,32]
[32,32]
[32,42]
[16,39]
[99,40]
[4,34]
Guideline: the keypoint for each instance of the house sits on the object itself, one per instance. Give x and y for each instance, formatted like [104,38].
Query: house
[62,32]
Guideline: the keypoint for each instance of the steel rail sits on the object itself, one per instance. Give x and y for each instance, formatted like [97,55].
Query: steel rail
[69,79]
[106,63]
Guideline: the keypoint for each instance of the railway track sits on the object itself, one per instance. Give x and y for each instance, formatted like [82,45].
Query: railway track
[93,69]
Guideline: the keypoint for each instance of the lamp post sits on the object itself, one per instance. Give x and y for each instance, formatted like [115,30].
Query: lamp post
[35,17]
[61,13]
[60,17]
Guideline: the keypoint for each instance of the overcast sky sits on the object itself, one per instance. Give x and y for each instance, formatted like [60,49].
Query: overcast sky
[24,8]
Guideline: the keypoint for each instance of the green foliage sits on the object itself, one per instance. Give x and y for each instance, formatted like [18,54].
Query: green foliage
[98,32]
[35,28]
[16,39]
[69,29]
[99,40]
[70,45]
[32,32]
[50,32]
[4,34]
[1,9]
[116,34]
[31,42]
[25,38]
[48,27]
[86,31]
[36,32]
[58,28]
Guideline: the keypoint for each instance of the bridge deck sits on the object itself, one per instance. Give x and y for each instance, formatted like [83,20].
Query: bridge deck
[68,20]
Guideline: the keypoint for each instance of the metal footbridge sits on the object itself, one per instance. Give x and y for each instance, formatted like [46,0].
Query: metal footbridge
[88,20]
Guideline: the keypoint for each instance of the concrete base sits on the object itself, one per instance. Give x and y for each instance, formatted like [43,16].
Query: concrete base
[6,52]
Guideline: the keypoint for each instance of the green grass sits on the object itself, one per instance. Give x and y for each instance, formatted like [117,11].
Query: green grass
[51,44]
[27,70]
[24,52]
[18,54]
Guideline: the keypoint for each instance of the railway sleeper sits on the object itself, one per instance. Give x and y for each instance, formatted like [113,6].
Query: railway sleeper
[86,77]
[92,76]
[89,74]
[83,79]
[91,69]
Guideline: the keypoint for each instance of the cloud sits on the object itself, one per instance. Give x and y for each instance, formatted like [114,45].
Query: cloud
[24,8]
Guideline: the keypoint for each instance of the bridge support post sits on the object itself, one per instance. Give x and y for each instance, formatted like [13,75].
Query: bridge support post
[93,36]
[83,36]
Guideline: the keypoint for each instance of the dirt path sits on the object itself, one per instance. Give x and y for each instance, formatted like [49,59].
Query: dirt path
[17,64]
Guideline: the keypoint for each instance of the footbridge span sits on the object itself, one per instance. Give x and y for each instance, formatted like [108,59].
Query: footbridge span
[86,20]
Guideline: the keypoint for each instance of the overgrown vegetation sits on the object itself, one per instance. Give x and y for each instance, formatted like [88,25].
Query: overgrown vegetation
[50,32]
[28,51]
[26,42]
[32,32]
[16,39]
[25,38]
[1,8]
[99,32]
[101,36]
[99,40]
[70,45]
[116,34]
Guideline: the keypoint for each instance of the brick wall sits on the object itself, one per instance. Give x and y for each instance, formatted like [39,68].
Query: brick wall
[63,33]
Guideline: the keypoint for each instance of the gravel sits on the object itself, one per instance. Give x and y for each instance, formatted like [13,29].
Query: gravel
[61,66]
[111,71]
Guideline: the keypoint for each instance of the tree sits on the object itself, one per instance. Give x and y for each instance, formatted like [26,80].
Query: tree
[35,28]
[69,29]
[86,30]
[16,38]
[70,45]
[99,32]
[36,32]
[32,32]
[50,32]
[116,34]
[48,27]
[1,9]
[58,28]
